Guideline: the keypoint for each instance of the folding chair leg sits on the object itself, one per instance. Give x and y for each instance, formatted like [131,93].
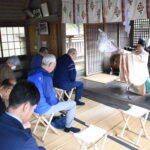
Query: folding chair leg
[125,126]
[48,126]
[104,141]
[37,123]
[143,122]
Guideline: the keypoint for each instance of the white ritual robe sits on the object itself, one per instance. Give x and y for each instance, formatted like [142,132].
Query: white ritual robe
[134,70]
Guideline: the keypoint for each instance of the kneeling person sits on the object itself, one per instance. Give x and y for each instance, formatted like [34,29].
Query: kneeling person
[49,103]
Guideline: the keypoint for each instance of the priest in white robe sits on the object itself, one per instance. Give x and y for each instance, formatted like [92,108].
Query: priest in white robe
[133,68]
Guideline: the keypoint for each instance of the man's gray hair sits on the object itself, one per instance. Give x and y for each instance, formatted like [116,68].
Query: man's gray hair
[13,60]
[48,59]
[72,50]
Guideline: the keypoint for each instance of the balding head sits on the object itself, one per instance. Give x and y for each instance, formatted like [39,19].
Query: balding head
[72,52]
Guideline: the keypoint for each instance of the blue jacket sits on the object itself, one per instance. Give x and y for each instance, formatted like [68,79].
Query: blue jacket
[14,137]
[36,61]
[65,70]
[43,81]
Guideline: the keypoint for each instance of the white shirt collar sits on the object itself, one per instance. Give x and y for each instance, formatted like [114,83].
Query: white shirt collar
[10,114]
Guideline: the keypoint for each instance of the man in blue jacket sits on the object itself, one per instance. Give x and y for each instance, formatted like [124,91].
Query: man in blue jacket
[49,103]
[22,102]
[65,75]
[37,59]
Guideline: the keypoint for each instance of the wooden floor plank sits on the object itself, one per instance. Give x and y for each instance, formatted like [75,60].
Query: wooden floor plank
[102,116]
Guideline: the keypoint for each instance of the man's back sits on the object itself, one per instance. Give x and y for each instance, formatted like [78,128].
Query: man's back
[65,70]
[36,61]
[14,137]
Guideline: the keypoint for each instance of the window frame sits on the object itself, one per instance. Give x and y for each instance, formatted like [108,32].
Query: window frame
[133,30]
[3,59]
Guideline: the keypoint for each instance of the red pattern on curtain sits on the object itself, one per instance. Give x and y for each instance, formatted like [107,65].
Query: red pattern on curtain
[98,11]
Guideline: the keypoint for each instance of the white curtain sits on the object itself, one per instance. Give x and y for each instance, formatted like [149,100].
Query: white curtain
[112,10]
[137,9]
[98,11]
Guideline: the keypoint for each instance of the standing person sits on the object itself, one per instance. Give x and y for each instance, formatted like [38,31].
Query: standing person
[6,69]
[22,101]
[49,103]
[130,63]
[65,75]
[37,59]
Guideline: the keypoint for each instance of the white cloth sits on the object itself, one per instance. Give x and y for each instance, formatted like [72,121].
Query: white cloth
[104,43]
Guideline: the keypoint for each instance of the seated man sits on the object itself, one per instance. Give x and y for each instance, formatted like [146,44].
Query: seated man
[6,70]
[5,89]
[37,59]
[22,102]
[49,103]
[65,75]
[133,68]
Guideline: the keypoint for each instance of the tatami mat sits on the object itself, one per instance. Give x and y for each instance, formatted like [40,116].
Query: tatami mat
[102,78]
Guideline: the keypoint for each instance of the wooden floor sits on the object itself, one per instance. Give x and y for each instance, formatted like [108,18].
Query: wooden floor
[102,116]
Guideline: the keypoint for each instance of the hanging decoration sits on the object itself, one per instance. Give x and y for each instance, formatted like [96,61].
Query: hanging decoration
[105,44]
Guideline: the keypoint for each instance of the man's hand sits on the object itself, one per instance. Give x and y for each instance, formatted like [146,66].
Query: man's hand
[26,125]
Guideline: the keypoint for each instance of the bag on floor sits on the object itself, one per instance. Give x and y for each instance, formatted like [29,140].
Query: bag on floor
[59,122]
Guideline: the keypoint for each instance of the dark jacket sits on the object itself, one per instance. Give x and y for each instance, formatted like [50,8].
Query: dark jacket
[14,137]
[36,61]
[65,70]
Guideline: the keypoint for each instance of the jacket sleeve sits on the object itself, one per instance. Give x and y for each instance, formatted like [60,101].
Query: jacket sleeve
[32,145]
[72,72]
[48,91]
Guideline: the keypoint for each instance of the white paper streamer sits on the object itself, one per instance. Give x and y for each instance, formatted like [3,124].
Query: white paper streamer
[104,43]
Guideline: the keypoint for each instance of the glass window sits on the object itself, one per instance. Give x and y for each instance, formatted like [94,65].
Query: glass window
[13,41]
[141,30]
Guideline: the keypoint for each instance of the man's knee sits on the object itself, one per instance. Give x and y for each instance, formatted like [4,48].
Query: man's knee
[80,84]
[72,103]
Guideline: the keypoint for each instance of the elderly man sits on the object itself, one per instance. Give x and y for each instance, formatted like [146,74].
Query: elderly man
[130,63]
[22,102]
[6,70]
[37,59]
[49,103]
[65,75]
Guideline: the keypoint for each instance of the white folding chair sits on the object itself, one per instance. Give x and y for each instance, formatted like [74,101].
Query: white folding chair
[46,123]
[141,114]
[61,93]
[90,136]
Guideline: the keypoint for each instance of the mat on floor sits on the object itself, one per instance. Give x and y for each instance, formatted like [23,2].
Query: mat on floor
[102,78]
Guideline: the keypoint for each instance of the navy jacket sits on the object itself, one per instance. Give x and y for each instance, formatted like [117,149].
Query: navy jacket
[43,81]
[36,61]
[65,70]
[14,137]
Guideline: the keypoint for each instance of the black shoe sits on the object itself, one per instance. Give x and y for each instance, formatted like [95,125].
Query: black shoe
[79,102]
[72,129]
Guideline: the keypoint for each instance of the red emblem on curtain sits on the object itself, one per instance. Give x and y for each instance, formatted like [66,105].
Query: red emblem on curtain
[117,11]
[70,15]
[64,9]
[83,14]
[140,7]
[98,13]
[92,5]
[130,2]
[109,4]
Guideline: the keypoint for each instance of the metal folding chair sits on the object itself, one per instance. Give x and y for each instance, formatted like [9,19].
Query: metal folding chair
[141,114]
[61,93]
[46,123]
[90,136]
